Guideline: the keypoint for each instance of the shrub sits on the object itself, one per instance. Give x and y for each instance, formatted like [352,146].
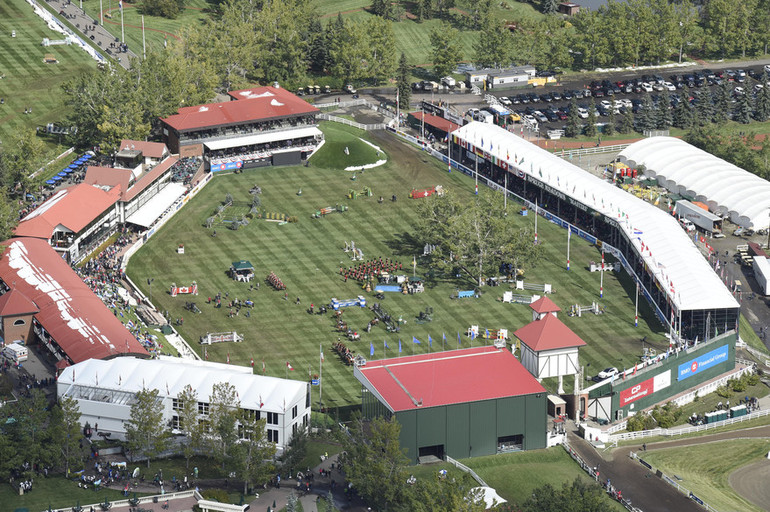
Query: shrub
[752,379]
[668,415]
[724,391]
[641,421]
[738,385]
[219,495]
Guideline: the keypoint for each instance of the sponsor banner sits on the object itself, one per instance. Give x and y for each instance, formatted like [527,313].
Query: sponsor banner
[704,362]
[661,381]
[637,391]
[227,166]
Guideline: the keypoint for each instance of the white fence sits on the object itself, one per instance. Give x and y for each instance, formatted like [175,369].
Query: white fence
[758,354]
[144,500]
[67,152]
[593,150]
[342,120]
[463,467]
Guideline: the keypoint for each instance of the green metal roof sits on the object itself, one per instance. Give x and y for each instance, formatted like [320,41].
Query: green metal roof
[242,265]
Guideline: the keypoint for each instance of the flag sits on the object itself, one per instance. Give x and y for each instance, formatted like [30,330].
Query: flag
[399,345]
[205,353]
[443,337]
[261,403]
[473,335]
[638,232]
[228,358]
[458,339]
[386,343]
[252,362]
[430,341]
[120,4]
[371,348]
[264,370]
[486,333]
[289,366]
[130,324]
[167,391]
[415,340]
[322,354]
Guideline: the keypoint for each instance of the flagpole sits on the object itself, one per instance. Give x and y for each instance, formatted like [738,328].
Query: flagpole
[569,236]
[505,193]
[320,378]
[398,110]
[122,29]
[476,159]
[636,307]
[535,220]
[101,12]
[601,278]
[449,151]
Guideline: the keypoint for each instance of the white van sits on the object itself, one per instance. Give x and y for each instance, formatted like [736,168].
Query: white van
[15,353]
[486,117]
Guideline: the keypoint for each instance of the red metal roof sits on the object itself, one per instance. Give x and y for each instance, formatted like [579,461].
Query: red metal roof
[437,122]
[14,303]
[148,178]
[148,149]
[108,176]
[544,305]
[74,208]
[548,334]
[451,377]
[72,314]
[260,103]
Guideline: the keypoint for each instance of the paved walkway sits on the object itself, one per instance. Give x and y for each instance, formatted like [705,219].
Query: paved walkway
[101,37]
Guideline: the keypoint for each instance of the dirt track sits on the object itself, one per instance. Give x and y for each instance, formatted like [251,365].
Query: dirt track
[652,494]
[751,482]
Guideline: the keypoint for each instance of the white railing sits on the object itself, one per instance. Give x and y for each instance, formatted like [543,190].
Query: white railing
[144,500]
[758,354]
[342,120]
[670,432]
[351,103]
[466,469]
[67,152]
[592,150]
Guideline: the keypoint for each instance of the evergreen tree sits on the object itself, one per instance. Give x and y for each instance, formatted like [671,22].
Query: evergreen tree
[722,103]
[590,129]
[402,83]
[684,115]
[646,117]
[318,55]
[573,121]
[664,118]
[704,107]
[609,128]
[549,6]
[382,8]
[742,113]
[762,101]
[493,46]
[424,10]
[626,124]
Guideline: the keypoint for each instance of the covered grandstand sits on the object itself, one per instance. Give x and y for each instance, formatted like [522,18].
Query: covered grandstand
[728,190]
[672,274]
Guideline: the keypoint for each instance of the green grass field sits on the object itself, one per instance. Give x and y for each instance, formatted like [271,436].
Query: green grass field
[29,82]
[307,257]
[515,475]
[56,492]
[156,28]
[705,469]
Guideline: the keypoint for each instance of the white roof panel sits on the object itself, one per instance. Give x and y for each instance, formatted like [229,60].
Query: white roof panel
[687,169]
[262,138]
[152,209]
[680,269]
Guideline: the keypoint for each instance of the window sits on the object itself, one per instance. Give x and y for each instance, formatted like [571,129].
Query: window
[294,412]
[175,424]
[272,435]
[177,404]
[20,321]
[203,408]
[272,418]
[251,415]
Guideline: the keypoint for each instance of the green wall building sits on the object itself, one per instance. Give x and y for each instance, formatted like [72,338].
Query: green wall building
[461,403]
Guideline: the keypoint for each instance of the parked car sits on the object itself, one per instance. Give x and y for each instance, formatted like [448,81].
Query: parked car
[646,86]
[606,374]
[582,113]
[506,101]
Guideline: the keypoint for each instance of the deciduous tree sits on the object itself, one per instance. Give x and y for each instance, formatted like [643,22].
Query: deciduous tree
[445,49]
[223,418]
[146,431]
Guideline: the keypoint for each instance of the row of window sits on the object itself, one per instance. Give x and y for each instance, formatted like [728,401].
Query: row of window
[203,410]
[245,433]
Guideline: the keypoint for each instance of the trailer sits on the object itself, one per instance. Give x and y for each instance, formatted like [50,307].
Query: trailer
[702,218]
[15,352]
[762,274]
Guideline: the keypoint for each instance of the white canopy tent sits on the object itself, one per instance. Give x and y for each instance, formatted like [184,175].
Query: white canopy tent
[728,190]
[668,252]
[152,209]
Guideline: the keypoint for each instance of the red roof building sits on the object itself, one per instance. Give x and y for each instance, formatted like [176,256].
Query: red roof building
[150,150]
[16,311]
[542,307]
[549,348]
[71,321]
[464,403]
[438,125]
[246,131]
[73,218]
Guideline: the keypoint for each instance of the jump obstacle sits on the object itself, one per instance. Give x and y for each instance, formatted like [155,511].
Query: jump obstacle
[220,337]
[426,192]
[177,290]
[510,297]
[498,336]
[359,301]
[578,310]
[464,294]
[329,209]
[545,288]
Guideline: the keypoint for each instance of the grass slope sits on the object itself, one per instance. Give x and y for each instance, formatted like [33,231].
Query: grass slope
[29,82]
[705,469]
[307,257]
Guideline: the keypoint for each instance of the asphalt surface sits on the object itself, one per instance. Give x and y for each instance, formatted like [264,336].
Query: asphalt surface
[99,35]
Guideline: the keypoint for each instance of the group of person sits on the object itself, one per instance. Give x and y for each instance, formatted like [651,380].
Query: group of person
[370,269]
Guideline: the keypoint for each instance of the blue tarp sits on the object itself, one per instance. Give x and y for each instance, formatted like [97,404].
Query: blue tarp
[62,174]
[50,182]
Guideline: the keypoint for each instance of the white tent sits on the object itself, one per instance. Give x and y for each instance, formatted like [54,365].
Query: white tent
[489,496]
[667,250]
[684,169]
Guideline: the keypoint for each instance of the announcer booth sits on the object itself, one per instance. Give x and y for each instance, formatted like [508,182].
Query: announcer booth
[258,127]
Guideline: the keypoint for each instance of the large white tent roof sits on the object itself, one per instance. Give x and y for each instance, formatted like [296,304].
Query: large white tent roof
[684,169]
[171,375]
[680,269]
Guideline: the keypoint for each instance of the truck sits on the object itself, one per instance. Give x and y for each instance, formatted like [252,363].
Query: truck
[702,218]
[15,352]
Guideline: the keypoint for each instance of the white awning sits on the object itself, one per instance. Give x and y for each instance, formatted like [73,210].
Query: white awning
[262,138]
[153,209]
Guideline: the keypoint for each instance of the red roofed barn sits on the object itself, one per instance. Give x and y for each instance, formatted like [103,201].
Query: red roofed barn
[65,316]
[548,347]
[461,403]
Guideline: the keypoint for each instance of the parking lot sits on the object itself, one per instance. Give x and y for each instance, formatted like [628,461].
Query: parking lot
[549,107]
